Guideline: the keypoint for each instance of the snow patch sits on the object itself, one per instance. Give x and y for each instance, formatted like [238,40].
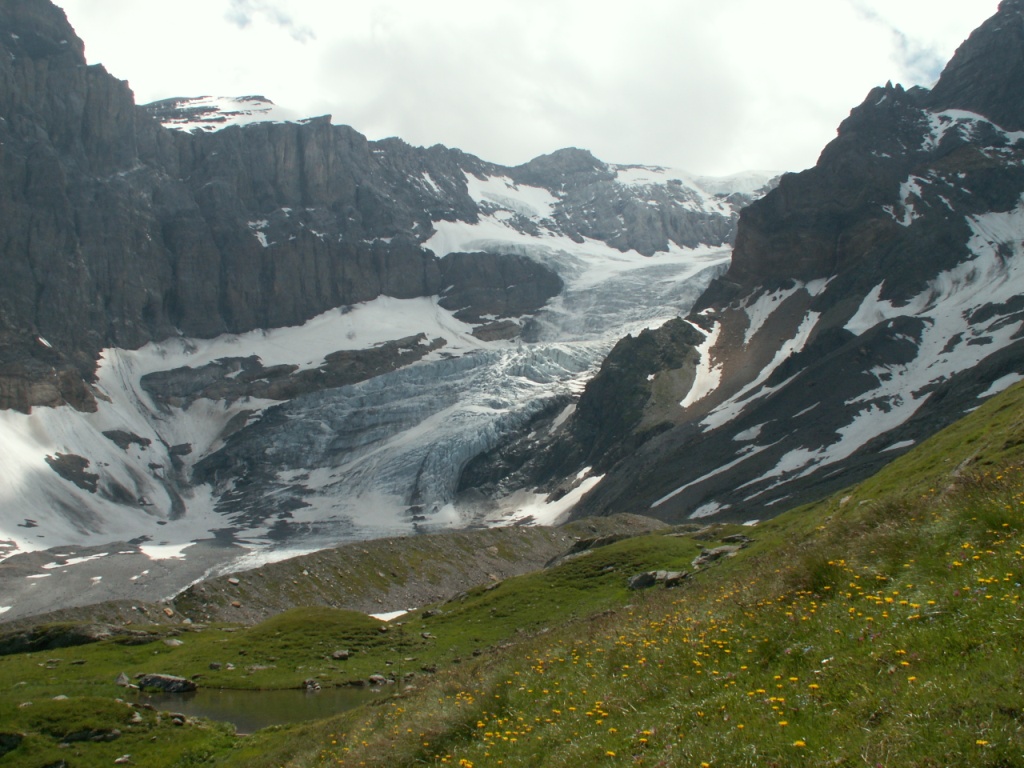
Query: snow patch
[900,445]
[745,454]
[72,561]
[707,510]
[909,191]
[760,309]
[1001,384]
[964,122]
[535,508]
[708,376]
[749,434]
[532,202]
[257,228]
[390,615]
[165,551]
[734,406]
[214,113]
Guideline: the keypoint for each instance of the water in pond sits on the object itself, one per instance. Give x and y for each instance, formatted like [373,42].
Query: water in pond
[251,710]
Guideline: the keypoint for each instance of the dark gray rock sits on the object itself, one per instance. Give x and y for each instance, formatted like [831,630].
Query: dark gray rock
[501,285]
[166,683]
[235,378]
[997,46]
[648,579]
[708,556]
[73,469]
[643,580]
[124,439]
[119,231]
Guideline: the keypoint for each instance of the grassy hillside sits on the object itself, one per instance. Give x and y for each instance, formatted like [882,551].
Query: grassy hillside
[881,627]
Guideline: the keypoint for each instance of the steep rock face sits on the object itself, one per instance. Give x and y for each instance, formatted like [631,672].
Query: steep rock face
[119,232]
[594,206]
[870,301]
[472,293]
[968,83]
[67,133]
[286,333]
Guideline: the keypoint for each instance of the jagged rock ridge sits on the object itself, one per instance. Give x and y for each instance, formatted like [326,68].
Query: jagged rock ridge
[870,301]
[164,232]
[270,330]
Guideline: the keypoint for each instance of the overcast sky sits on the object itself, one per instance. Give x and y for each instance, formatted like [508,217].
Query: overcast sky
[709,86]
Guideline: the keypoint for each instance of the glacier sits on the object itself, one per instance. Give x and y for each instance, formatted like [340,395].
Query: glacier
[182,472]
[378,458]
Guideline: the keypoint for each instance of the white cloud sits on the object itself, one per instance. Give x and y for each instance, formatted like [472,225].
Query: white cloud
[713,87]
[242,13]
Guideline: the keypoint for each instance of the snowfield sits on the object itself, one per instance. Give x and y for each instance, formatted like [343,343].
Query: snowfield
[378,458]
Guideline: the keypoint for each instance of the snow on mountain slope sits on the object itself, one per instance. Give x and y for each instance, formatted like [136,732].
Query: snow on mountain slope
[214,113]
[329,412]
[142,473]
[378,458]
[947,329]
[870,301]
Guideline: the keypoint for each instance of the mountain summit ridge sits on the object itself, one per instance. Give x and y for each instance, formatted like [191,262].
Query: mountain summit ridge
[286,335]
[870,300]
[283,331]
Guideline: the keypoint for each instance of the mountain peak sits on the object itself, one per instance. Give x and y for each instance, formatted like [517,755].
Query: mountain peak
[568,165]
[39,30]
[986,74]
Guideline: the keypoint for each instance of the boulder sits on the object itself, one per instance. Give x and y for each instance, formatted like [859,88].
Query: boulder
[167,683]
[673,578]
[707,556]
[643,580]
[650,578]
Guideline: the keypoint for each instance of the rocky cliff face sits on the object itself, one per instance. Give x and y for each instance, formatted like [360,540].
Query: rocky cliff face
[870,301]
[284,334]
[119,232]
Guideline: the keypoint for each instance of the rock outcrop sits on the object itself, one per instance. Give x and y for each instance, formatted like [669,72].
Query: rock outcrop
[871,300]
[166,683]
[119,231]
